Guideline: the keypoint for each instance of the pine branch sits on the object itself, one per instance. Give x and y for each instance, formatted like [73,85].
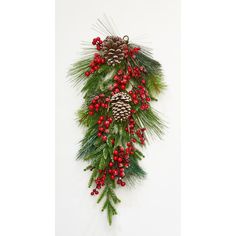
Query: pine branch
[151,120]
[110,195]
[78,69]
[104,192]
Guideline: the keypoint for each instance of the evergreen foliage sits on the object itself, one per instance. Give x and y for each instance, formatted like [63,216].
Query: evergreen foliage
[99,151]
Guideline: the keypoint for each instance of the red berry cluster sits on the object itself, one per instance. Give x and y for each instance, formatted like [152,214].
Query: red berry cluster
[131,52]
[98,42]
[98,102]
[100,181]
[103,127]
[136,72]
[131,125]
[95,64]
[140,134]
[121,79]
[120,162]
[140,94]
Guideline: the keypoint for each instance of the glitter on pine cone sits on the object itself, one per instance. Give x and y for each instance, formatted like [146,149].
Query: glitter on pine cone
[113,49]
[121,108]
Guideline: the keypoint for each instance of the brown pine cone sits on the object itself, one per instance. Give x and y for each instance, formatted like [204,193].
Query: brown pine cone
[113,49]
[121,108]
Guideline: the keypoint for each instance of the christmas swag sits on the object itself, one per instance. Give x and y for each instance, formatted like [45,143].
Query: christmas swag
[120,80]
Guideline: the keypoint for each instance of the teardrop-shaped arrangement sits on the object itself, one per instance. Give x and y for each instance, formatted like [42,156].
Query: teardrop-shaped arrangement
[119,80]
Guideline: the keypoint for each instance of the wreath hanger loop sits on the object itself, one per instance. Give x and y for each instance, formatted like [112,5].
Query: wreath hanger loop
[126,38]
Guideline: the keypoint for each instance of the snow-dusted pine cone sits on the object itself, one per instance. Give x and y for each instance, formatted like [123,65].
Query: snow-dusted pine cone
[113,49]
[121,108]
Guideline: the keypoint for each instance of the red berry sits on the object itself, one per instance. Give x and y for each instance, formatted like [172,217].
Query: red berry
[116,77]
[124,81]
[123,184]
[122,174]
[91,107]
[122,87]
[92,193]
[101,118]
[99,134]
[99,122]
[115,172]
[104,138]
[120,165]
[119,181]
[91,113]
[101,129]
[120,72]
[119,159]
[112,177]
[128,144]
[115,152]
[115,158]
[107,123]
[87,73]
[111,164]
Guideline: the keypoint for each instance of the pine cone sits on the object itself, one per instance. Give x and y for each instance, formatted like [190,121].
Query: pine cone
[121,107]
[113,49]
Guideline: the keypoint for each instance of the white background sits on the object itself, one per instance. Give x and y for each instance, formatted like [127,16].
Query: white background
[208,50]
[156,200]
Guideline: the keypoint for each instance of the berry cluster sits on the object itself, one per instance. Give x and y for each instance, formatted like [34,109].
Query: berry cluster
[136,72]
[131,125]
[120,162]
[140,134]
[103,127]
[131,52]
[140,94]
[98,102]
[100,181]
[95,64]
[98,42]
[121,80]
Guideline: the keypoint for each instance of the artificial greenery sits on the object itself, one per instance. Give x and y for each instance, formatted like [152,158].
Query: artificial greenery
[99,152]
